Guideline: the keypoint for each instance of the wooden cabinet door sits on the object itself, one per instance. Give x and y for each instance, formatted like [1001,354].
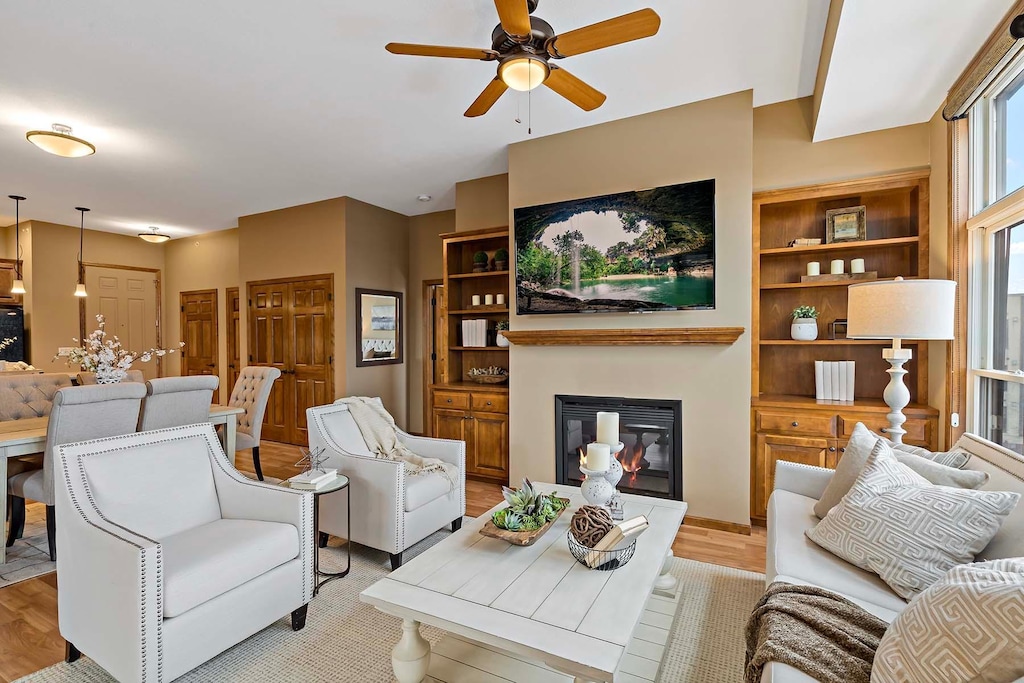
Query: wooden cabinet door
[772,448]
[489,453]
[234,352]
[269,344]
[8,270]
[200,355]
[450,424]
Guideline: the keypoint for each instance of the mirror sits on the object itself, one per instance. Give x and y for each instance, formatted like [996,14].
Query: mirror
[379,332]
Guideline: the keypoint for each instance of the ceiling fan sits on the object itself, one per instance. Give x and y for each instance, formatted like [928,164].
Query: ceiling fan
[524,47]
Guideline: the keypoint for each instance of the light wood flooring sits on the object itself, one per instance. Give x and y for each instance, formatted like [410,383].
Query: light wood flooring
[30,640]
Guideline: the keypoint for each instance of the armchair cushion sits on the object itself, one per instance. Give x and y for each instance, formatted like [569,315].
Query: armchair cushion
[204,562]
[423,489]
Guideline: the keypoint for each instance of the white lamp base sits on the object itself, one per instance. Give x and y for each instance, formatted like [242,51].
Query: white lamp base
[896,394]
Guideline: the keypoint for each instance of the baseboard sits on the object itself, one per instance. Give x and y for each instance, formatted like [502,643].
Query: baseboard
[717,525]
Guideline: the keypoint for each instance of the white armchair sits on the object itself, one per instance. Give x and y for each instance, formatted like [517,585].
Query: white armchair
[169,556]
[390,511]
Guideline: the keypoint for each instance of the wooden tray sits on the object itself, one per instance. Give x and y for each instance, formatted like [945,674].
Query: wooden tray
[852,277]
[521,538]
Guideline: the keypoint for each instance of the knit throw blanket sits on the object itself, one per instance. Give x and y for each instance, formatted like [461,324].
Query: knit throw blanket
[822,634]
[381,436]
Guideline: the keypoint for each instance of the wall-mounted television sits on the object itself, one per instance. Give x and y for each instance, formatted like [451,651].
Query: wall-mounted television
[649,250]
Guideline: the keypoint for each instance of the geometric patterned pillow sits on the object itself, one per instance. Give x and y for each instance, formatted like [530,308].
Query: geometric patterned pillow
[893,522]
[967,627]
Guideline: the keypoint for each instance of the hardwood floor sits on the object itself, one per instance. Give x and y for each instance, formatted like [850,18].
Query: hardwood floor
[30,640]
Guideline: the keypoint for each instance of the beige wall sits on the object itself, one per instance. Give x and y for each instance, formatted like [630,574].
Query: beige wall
[784,155]
[294,242]
[51,310]
[207,261]
[482,203]
[425,263]
[376,257]
[710,139]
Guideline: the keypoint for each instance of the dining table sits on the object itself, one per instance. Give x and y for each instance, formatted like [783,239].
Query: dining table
[28,437]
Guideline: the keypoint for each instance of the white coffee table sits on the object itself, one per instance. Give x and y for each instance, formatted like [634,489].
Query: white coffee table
[536,601]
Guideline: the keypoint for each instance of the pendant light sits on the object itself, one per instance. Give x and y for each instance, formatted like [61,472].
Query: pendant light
[153,237]
[18,286]
[80,287]
[59,140]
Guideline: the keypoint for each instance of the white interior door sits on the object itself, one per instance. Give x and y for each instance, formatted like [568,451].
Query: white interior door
[127,300]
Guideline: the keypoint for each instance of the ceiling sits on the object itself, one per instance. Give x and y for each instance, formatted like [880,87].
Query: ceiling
[206,111]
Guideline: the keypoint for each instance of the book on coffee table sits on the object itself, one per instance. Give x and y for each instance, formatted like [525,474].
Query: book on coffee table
[617,537]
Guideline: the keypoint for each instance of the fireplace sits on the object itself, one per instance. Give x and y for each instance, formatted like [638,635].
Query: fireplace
[651,430]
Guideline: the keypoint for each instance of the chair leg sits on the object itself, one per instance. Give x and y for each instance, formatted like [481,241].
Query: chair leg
[71,653]
[17,518]
[299,618]
[456,524]
[322,540]
[256,462]
[51,531]
[396,560]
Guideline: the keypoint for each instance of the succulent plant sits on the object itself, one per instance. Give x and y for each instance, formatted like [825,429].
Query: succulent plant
[527,510]
[804,312]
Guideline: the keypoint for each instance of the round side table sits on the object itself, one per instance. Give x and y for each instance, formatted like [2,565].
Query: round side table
[337,484]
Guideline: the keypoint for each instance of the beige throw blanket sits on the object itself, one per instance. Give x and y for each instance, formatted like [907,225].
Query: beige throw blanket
[822,634]
[381,436]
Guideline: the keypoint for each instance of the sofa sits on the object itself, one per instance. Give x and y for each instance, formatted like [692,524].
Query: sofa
[793,558]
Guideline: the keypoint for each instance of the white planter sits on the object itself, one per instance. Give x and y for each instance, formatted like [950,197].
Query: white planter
[804,329]
[501,341]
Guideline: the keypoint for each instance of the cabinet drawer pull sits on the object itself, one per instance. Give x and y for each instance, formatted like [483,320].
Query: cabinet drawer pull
[489,403]
[832,449]
[449,400]
[795,423]
[842,450]
[884,430]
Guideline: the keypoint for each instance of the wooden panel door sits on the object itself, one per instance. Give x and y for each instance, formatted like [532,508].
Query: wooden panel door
[450,424]
[201,353]
[268,339]
[488,455]
[772,448]
[234,310]
[128,298]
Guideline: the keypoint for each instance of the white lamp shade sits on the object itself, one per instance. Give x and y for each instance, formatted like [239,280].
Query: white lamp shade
[902,309]
[80,290]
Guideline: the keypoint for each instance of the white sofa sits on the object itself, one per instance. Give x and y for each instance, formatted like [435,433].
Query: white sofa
[390,511]
[169,556]
[793,558]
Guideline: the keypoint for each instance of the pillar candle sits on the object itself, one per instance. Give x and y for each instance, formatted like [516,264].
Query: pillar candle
[501,300]
[857,265]
[813,269]
[599,457]
[837,267]
[608,429]
[489,299]
[476,299]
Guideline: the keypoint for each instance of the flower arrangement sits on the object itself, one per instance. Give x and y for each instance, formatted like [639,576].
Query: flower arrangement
[805,312]
[527,510]
[105,355]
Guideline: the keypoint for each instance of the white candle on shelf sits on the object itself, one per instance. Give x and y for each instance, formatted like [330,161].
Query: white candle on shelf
[476,299]
[501,300]
[813,269]
[857,265]
[608,429]
[838,266]
[599,457]
[488,299]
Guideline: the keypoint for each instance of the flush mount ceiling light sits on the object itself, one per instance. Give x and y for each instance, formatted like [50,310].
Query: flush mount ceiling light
[524,72]
[60,141]
[153,236]
[424,198]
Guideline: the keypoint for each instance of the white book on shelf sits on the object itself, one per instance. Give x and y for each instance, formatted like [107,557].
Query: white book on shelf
[826,381]
[465,333]
[819,380]
[841,391]
[850,376]
[836,396]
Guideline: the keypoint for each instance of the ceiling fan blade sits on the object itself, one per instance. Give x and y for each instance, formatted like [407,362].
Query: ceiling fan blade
[488,97]
[514,16]
[573,89]
[441,51]
[634,26]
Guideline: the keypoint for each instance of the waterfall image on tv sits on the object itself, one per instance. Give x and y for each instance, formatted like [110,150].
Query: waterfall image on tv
[650,250]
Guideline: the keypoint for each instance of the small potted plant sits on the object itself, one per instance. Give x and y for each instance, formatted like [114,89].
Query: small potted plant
[805,323]
[501,259]
[480,261]
[501,326]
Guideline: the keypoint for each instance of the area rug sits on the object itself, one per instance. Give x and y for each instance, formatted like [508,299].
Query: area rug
[29,557]
[346,640]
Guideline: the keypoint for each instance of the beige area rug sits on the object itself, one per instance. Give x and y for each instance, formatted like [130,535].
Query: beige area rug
[29,557]
[347,641]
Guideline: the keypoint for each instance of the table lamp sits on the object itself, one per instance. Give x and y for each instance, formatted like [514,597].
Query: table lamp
[900,309]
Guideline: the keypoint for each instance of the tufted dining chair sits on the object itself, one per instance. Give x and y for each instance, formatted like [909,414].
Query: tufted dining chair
[88,378]
[251,393]
[26,396]
[78,414]
[177,401]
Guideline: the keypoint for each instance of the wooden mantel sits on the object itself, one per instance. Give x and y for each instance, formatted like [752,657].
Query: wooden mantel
[634,337]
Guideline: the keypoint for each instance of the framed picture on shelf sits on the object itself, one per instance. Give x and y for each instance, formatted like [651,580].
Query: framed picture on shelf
[846,225]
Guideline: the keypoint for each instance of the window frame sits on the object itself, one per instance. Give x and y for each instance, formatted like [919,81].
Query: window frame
[987,146]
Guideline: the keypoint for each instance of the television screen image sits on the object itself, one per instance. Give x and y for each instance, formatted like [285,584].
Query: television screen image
[650,250]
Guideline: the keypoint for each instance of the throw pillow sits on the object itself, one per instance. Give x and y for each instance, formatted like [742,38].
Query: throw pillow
[893,522]
[857,451]
[956,457]
[969,626]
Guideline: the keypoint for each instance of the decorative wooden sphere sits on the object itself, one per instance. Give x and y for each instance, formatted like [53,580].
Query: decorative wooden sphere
[590,524]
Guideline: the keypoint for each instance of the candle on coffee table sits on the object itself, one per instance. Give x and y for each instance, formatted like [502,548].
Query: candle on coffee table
[599,457]
[608,429]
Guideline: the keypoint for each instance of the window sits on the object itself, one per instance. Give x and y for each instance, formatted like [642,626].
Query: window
[997,145]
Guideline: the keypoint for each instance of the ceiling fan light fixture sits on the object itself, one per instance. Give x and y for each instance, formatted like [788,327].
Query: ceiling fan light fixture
[153,237]
[60,141]
[523,72]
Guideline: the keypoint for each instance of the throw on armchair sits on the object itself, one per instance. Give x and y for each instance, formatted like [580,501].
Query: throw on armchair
[391,511]
[169,556]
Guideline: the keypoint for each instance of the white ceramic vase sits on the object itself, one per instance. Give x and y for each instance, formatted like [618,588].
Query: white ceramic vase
[804,329]
[501,341]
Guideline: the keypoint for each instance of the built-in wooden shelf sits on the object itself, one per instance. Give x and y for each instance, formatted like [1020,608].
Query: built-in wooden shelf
[833,342]
[795,401]
[480,311]
[467,276]
[844,246]
[644,337]
[478,348]
[811,285]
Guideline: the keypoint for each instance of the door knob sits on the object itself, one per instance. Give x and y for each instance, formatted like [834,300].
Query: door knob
[796,424]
